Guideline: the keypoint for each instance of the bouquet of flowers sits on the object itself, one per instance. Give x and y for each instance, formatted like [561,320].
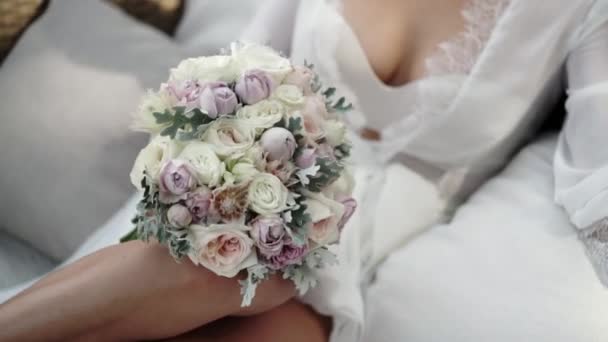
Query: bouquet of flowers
[245,169]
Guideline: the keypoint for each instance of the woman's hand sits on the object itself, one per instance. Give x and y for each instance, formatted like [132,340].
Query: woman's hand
[129,291]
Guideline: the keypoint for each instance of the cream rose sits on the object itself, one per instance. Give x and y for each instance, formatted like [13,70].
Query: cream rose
[326,215]
[289,94]
[150,159]
[248,56]
[267,195]
[342,186]
[152,102]
[263,114]
[334,132]
[204,161]
[230,136]
[224,249]
[212,68]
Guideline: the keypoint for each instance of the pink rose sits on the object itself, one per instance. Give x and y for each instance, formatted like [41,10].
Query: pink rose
[185,93]
[198,202]
[217,99]
[268,234]
[278,144]
[224,249]
[300,77]
[283,171]
[179,216]
[290,254]
[314,114]
[176,179]
[254,86]
[350,205]
[326,215]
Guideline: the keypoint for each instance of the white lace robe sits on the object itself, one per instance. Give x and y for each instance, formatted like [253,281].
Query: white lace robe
[511,75]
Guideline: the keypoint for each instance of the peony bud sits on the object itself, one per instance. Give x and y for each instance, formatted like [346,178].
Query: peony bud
[179,216]
[278,143]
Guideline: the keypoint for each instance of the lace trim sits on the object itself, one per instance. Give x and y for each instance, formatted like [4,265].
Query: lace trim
[595,239]
[459,55]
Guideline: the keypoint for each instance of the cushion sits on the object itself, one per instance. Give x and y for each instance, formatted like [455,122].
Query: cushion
[20,262]
[67,92]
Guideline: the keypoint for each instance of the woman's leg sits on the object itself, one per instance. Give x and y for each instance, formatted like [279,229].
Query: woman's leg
[292,321]
[131,291]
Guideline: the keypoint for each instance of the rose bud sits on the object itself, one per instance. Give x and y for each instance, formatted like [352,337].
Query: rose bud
[217,99]
[278,143]
[307,158]
[176,179]
[198,203]
[254,86]
[268,233]
[179,216]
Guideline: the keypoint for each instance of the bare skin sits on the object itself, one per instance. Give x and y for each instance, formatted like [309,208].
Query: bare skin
[135,291]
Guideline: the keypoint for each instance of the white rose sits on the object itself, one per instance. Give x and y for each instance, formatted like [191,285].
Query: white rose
[335,132]
[244,171]
[267,195]
[205,162]
[224,249]
[289,95]
[152,102]
[211,68]
[248,56]
[342,186]
[325,214]
[230,136]
[150,159]
[263,114]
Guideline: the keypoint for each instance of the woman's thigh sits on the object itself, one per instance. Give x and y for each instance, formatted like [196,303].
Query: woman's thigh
[292,321]
[509,267]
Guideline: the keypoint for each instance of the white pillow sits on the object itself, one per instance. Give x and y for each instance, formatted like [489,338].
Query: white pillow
[68,90]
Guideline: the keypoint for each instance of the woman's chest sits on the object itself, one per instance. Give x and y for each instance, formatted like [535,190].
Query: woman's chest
[398,36]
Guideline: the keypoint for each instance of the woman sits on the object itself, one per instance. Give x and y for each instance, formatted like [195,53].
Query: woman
[445,93]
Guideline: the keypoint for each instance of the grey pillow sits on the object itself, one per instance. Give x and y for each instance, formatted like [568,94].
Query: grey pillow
[67,91]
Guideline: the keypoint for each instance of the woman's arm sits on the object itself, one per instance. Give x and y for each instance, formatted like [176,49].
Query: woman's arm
[128,292]
[581,160]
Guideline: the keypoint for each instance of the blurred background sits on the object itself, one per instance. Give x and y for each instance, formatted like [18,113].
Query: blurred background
[71,74]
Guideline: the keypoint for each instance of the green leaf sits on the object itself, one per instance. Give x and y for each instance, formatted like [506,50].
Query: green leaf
[329,171]
[185,125]
[164,117]
[294,125]
[329,92]
[130,236]
[255,275]
[302,276]
[341,105]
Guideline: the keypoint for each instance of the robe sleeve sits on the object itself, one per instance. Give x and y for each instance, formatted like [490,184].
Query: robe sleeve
[581,160]
[273,25]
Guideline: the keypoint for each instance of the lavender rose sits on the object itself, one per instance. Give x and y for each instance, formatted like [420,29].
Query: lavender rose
[254,86]
[198,203]
[278,143]
[176,179]
[217,99]
[179,216]
[268,234]
[290,254]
